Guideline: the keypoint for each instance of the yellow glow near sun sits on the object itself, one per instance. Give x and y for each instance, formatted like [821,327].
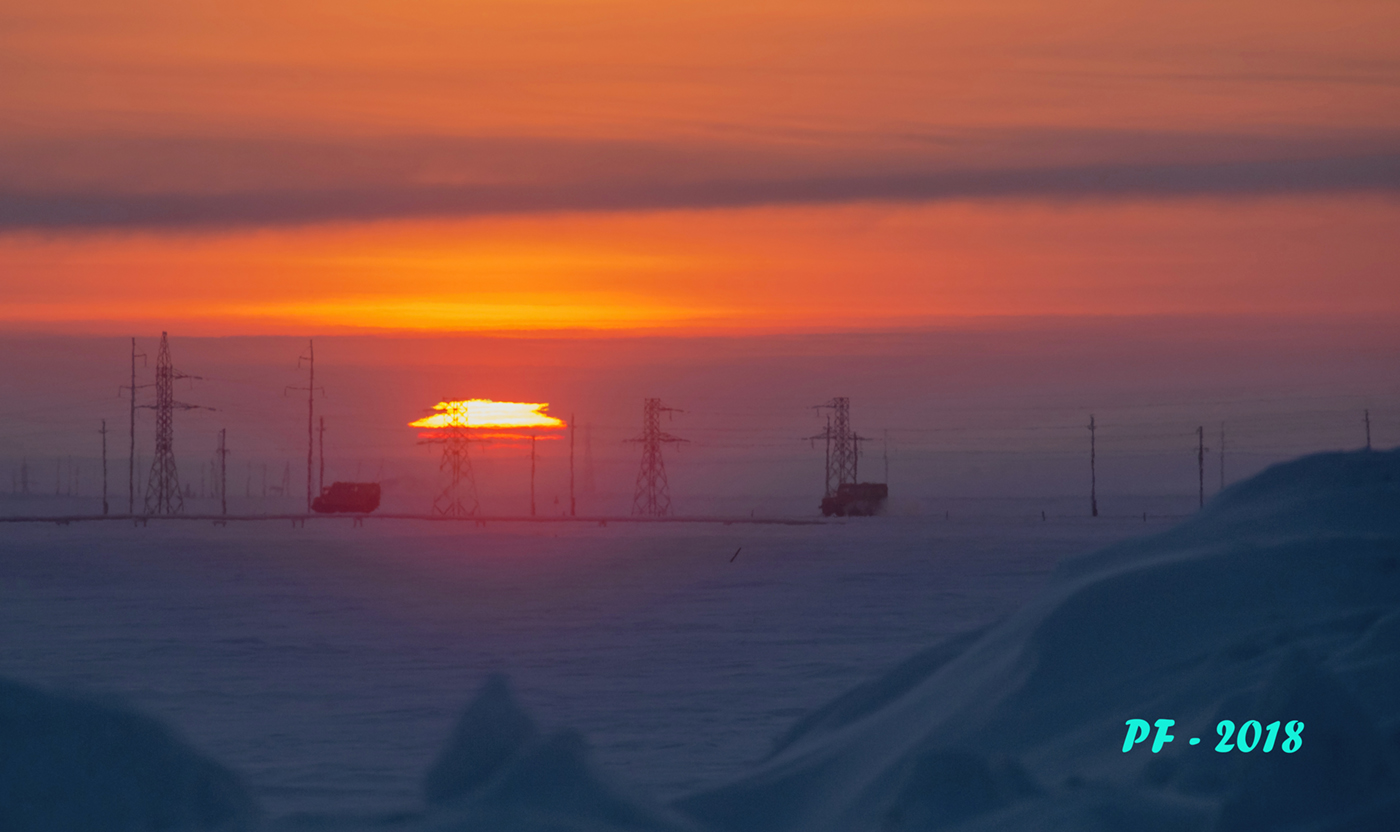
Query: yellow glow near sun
[485,413]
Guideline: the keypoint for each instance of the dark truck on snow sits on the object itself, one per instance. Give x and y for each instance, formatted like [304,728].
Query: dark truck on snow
[347,498]
[856,499]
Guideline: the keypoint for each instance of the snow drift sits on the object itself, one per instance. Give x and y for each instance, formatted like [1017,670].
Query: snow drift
[1279,601]
[71,764]
[498,773]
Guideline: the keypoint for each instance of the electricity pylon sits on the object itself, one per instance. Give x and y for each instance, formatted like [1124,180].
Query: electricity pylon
[163,487]
[457,463]
[653,495]
[842,445]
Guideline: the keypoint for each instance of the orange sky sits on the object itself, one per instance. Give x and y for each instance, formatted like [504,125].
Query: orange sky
[302,167]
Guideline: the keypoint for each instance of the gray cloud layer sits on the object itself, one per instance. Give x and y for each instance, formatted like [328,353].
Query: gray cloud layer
[181,186]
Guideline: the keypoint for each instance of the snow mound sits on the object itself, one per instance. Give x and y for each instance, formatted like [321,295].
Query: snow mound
[1277,602]
[499,774]
[493,730]
[71,764]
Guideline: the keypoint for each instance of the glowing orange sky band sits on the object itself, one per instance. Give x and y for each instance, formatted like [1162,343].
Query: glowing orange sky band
[485,413]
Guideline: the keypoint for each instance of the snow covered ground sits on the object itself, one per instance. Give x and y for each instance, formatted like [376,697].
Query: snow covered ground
[329,665]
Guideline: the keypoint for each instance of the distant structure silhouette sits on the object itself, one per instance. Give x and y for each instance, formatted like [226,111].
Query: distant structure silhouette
[1093,470]
[163,486]
[1201,462]
[222,453]
[653,494]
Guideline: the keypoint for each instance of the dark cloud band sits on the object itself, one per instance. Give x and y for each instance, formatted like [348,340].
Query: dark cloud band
[97,209]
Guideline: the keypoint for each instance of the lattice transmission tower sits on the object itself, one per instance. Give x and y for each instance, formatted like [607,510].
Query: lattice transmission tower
[163,486]
[458,495]
[842,445]
[653,494]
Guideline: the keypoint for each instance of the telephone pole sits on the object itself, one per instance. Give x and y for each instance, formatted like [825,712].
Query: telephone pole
[310,388]
[104,465]
[321,451]
[223,472]
[1368,430]
[532,475]
[131,456]
[1093,470]
[573,505]
[653,494]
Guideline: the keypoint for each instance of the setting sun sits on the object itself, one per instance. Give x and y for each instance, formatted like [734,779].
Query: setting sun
[485,413]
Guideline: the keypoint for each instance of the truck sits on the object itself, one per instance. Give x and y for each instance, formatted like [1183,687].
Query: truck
[856,499]
[347,498]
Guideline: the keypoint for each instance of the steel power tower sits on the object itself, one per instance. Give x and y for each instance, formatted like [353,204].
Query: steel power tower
[451,501]
[653,495]
[842,445]
[163,487]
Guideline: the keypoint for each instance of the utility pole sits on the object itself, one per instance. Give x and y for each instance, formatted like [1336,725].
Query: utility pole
[223,472]
[532,475]
[104,465]
[887,455]
[1093,471]
[131,456]
[163,488]
[1368,430]
[573,505]
[653,494]
[310,415]
[310,388]
[321,451]
[1201,461]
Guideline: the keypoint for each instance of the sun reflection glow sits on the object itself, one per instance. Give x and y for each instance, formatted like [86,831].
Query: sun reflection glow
[485,413]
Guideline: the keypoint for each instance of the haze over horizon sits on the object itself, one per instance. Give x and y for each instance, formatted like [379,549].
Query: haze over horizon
[981,413]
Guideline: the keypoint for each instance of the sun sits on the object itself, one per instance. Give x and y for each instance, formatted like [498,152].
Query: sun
[485,413]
